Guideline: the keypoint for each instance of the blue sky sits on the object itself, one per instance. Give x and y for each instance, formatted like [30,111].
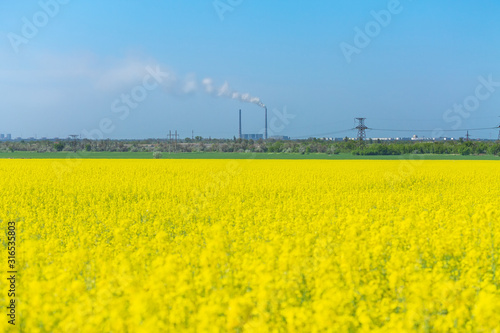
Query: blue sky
[408,65]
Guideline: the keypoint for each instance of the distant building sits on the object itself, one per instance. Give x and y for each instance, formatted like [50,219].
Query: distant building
[253,136]
[280,137]
[2,136]
[383,139]
[332,139]
[9,137]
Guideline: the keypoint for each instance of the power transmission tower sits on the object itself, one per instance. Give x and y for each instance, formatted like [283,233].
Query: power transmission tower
[169,141]
[498,133]
[467,137]
[175,146]
[361,128]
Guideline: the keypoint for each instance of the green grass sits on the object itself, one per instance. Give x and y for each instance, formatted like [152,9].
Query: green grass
[259,156]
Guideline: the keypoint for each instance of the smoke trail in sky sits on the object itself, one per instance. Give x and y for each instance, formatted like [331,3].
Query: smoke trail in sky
[226,91]
[189,85]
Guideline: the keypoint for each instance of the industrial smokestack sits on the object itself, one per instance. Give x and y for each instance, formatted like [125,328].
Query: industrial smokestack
[240,135]
[265,133]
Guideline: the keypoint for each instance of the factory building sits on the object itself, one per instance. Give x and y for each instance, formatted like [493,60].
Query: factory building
[254,137]
[280,137]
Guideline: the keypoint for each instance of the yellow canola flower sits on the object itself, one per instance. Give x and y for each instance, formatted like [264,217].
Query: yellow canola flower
[253,246]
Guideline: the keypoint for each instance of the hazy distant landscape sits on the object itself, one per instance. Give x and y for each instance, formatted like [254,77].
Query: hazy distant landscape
[250,166]
[238,148]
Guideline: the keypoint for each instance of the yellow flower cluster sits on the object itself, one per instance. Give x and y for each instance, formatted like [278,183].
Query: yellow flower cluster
[254,246]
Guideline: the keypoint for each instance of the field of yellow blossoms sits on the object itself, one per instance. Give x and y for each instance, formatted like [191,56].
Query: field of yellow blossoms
[252,246]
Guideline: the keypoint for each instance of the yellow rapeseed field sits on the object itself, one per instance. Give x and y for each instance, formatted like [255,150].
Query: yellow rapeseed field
[254,246]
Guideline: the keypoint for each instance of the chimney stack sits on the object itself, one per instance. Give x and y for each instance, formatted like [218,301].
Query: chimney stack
[240,135]
[265,133]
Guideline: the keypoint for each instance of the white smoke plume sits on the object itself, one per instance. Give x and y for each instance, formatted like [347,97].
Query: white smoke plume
[226,91]
[181,87]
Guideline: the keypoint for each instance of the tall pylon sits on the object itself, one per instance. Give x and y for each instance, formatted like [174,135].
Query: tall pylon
[240,135]
[498,132]
[361,128]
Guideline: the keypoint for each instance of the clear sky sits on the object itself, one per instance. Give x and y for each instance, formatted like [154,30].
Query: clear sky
[137,69]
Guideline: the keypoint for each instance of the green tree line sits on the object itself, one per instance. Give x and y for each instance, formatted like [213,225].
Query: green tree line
[199,144]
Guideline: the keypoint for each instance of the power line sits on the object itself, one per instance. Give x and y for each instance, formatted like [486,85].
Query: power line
[498,132]
[427,130]
[420,119]
[322,134]
[391,130]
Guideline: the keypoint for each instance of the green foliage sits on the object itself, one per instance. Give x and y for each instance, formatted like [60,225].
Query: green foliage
[464,150]
[59,146]
[277,147]
[494,149]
